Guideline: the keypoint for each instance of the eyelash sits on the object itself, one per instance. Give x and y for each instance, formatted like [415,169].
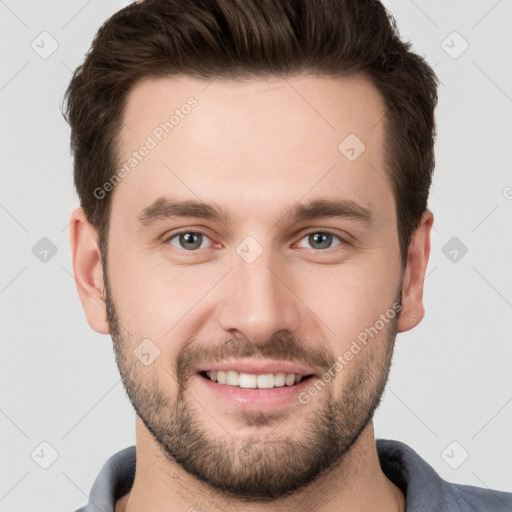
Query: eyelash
[305,235]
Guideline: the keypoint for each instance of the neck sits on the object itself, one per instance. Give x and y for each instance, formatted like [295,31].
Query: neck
[356,484]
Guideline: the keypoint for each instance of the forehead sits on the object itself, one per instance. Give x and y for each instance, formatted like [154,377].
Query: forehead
[270,141]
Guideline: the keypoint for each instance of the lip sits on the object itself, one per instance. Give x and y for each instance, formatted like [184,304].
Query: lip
[249,399]
[258,367]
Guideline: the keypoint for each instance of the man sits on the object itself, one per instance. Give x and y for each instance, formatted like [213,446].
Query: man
[253,234]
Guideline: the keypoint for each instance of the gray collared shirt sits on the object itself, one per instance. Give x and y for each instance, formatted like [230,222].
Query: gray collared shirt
[424,490]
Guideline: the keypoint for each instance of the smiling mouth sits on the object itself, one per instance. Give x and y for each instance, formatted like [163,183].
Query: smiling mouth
[254,381]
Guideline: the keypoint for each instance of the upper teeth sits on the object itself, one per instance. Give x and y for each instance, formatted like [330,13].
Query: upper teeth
[248,380]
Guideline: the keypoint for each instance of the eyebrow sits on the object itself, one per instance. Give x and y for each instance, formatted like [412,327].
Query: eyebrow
[167,207]
[324,208]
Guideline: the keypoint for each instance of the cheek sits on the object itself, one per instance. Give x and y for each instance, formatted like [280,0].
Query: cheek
[348,299]
[156,300]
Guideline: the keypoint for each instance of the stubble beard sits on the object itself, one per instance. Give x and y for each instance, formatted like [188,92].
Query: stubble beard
[256,468]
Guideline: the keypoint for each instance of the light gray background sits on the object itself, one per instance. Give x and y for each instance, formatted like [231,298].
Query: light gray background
[451,378]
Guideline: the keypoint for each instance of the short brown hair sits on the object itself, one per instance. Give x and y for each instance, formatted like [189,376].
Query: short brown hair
[240,39]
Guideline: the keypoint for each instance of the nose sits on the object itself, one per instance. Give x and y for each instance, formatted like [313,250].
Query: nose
[258,299]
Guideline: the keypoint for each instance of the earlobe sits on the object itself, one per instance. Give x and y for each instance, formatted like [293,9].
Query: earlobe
[412,286]
[88,271]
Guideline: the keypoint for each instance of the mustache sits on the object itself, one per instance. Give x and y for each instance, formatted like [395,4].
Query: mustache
[281,347]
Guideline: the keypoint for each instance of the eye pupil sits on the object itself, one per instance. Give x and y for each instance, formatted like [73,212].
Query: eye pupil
[188,239]
[323,239]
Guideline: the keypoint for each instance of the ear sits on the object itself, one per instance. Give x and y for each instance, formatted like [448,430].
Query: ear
[412,311]
[88,270]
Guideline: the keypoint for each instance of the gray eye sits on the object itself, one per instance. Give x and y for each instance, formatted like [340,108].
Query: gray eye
[188,240]
[320,240]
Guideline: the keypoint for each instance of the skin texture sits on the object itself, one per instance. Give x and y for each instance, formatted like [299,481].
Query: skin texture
[254,148]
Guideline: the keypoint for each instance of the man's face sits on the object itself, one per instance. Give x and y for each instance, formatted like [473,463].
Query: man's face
[262,284]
